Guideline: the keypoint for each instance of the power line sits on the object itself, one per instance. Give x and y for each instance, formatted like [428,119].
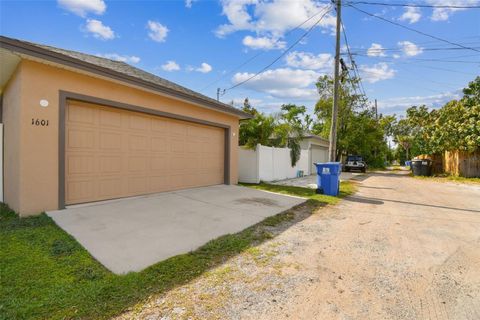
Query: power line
[413,30]
[261,52]
[354,66]
[426,60]
[381,50]
[423,66]
[415,5]
[283,53]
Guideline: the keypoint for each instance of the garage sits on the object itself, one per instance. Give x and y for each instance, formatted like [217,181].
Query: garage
[319,154]
[113,153]
[78,128]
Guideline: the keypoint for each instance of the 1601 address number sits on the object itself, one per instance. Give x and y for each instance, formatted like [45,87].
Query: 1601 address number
[40,122]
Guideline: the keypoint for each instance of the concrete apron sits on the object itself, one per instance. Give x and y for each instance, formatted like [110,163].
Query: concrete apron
[132,234]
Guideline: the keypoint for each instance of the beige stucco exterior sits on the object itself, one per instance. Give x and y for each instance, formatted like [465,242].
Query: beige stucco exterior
[32,152]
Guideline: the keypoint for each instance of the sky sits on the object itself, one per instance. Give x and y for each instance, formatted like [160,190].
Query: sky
[205,45]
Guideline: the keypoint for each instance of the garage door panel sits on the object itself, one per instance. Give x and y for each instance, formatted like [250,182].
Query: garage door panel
[138,185]
[138,163]
[110,140]
[78,164]
[108,118]
[177,145]
[111,164]
[138,143]
[81,113]
[160,125]
[138,122]
[110,187]
[159,144]
[178,129]
[159,164]
[160,183]
[113,153]
[80,139]
[80,190]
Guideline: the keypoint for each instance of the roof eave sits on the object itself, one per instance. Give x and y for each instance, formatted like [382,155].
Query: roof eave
[31,50]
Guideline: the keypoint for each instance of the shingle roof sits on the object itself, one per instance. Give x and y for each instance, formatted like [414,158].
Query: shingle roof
[115,69]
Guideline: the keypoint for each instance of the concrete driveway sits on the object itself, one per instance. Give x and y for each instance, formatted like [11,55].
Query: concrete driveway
[131,234]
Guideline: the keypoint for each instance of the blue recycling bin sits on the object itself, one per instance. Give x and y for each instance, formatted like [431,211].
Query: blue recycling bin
[408,163]
[328,178]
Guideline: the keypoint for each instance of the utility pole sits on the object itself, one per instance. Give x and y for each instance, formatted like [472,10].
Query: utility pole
[218,94]
[332,150]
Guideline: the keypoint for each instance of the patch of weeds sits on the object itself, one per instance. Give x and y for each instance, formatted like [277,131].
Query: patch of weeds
[278,218]
[260,257]
[346,188]
[89,273]
[62,248]
[448,178]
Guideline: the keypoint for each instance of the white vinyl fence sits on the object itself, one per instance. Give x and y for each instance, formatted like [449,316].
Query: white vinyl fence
[269,164]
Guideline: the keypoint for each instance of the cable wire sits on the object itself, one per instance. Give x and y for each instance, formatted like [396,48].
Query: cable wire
[354,65]
[283,53]
[414,5]
[261,52]
[412,29]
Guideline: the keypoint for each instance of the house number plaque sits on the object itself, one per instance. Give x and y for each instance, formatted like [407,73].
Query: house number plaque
[39,122]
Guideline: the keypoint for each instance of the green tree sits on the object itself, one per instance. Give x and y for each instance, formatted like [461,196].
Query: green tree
[291,129]
[455,126]
[472,93]
[358,130]
[248,108]
[258,130]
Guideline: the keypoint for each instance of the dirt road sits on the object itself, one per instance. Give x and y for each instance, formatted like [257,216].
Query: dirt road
[401,248]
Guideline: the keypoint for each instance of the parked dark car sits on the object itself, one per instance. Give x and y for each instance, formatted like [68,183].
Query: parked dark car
[355,163]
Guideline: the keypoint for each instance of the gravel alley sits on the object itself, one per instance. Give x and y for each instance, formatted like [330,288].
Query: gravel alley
[400,248]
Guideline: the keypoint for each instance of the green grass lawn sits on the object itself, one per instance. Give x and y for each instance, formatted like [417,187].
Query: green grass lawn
[45,273]
[447,178]
[346,188]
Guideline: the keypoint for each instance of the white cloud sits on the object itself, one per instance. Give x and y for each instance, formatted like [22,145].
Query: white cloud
[376,50]
[443,14]
[377,72]
[264,43]
[158,32]
[99,30]
[396,56]
[410,49]
[282,83]
[399,104]
[170,66]
[307,60]
[82,7]
[271,18]
[411,14]
[204,68]
[189,3]
[118,57]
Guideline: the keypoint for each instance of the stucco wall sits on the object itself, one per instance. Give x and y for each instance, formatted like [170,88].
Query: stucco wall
[38,156]
[12,99]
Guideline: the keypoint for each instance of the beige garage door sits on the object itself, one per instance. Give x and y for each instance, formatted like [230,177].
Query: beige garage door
[319,154]
[113,153]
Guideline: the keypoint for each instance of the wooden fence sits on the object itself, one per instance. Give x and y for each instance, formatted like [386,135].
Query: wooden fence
[457,163]
[462,164]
